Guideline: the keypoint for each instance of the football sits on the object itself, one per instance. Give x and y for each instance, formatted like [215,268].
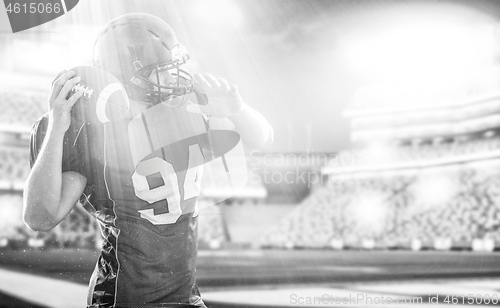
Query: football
[104,97]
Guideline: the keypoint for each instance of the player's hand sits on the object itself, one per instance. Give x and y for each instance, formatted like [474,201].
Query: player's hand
[59,106]
[224,100]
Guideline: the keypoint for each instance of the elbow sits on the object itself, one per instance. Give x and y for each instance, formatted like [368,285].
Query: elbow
[266,140]
[36,223]
[40,228]
[37,226]
[35,216]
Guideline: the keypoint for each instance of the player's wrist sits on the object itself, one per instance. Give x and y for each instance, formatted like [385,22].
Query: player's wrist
[239,112]
[56,129]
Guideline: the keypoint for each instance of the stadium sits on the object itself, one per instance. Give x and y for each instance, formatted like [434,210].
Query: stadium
[384,193]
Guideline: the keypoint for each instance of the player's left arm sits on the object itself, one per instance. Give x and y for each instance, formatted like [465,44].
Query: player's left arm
[225,103]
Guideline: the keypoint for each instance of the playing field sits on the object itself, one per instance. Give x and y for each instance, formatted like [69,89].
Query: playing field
[277,278]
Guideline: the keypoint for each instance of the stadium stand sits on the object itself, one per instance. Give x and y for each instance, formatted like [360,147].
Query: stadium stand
[14,166]
[211,227]
[391,210]
[20,110]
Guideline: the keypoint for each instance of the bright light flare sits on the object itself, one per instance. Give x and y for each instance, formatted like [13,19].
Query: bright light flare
[434,190]
[425,52]
[369,211]
[73,47]
[46,55]
[80,42]
[379,152]
[219,13]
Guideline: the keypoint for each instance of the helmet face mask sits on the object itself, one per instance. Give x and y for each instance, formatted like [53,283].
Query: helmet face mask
[138,49]
[149,81]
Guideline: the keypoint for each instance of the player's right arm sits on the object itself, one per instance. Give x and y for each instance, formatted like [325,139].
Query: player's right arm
[49,193]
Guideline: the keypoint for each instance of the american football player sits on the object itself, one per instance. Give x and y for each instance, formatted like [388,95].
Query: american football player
[140,175]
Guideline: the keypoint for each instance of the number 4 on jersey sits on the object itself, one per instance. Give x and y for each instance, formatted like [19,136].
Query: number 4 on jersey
[169,191]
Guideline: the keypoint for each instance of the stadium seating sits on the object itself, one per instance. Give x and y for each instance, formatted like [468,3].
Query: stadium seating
[393,209]
[21,109]
[431,149]
[211,232]
[14,165]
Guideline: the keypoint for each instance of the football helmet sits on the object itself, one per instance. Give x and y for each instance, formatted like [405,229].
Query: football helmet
[139,49]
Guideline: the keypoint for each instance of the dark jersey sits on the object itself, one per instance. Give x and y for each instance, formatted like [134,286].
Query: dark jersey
[143,180]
